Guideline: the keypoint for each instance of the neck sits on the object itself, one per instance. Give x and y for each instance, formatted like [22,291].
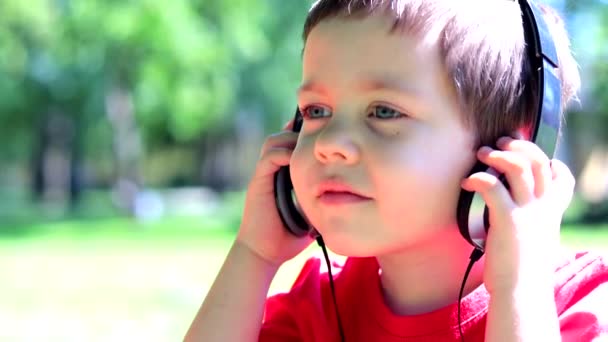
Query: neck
[428,276]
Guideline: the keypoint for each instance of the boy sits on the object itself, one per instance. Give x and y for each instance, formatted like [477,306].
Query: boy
[399,100]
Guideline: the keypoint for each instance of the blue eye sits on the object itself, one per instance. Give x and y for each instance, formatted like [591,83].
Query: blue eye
[384,112]
[315,112]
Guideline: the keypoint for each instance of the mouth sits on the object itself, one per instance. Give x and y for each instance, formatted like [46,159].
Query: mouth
[340,192]
[335,198]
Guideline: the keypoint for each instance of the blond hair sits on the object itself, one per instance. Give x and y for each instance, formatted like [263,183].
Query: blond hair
[482,46]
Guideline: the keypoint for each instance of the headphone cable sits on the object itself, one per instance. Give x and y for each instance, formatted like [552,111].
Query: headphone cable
[321,244]
[475,256]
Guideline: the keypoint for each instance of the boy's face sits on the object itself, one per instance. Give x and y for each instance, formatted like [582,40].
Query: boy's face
[379,117]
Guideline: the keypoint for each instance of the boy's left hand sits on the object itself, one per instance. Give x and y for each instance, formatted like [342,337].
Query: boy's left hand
[523,238]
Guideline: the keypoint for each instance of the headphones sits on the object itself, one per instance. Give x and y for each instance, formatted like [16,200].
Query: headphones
[472,212]
[290,212]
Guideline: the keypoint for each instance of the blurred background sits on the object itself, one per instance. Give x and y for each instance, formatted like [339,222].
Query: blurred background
[129,130]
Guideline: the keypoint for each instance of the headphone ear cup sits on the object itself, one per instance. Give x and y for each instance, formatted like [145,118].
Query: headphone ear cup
[289,211]
[472,213]
[291,215]
[472,229]
[473,218]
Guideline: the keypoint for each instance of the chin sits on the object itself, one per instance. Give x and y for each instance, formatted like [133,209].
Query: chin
[345,244]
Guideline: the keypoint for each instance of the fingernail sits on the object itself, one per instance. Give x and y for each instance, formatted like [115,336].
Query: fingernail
[503,141]
[485,150]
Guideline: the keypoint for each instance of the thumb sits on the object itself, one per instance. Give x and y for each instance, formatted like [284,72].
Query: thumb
[289,125]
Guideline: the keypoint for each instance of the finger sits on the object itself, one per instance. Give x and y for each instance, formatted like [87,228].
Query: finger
[272,161]
[563,183]
[281,139]
[516,169]
[289,125]
[493,191]
[539,162]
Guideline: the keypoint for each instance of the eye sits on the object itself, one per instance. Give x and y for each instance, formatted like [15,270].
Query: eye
[315,112]
[384,112]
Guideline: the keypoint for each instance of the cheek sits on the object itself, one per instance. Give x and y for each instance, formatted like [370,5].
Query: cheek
[420,187]
[401,178]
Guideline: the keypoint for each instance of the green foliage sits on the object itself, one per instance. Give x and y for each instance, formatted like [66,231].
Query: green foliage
[192,69]
[188,65]
[590,42]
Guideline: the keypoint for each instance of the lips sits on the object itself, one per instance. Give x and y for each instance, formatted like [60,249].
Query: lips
[333,192]
[341,198]
[335,186]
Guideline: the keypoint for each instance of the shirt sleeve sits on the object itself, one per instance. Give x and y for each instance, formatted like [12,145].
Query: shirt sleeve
[279,323]
[300,314]
[282,311]
[587,318]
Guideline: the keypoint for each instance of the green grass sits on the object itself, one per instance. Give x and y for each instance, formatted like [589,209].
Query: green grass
[107,280]
[114,279]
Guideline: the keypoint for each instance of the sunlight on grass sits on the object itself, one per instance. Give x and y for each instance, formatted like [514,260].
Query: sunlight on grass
[116,279]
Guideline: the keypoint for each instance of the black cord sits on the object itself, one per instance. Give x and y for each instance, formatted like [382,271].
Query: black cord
[321,244]
[476,255]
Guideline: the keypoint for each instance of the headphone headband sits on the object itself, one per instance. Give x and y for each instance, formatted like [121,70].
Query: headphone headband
[472,213]
[542,55]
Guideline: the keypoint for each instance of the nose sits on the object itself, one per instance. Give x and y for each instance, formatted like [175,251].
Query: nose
[335,144]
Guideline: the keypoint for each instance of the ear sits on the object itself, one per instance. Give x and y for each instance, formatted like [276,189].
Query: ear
[524,132]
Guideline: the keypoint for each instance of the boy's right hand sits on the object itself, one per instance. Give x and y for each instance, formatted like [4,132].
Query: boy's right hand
[262,230]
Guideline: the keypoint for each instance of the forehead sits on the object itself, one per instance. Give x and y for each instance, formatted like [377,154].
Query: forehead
[349,49]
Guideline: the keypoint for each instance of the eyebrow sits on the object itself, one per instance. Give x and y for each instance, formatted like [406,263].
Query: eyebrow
[381,83]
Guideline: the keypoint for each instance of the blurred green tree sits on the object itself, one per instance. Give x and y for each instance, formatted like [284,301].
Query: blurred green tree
[150,92]
[587,124]
[107,80]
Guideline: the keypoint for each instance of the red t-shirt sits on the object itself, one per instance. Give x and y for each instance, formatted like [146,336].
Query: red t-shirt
[307,312]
